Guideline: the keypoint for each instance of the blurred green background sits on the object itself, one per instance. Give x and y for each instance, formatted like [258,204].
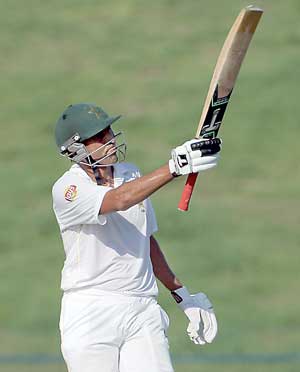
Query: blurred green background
[152,61]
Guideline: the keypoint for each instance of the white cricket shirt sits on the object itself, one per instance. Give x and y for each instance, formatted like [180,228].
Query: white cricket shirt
[108,252]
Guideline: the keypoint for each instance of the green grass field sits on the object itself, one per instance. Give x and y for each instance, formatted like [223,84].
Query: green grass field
[152,62]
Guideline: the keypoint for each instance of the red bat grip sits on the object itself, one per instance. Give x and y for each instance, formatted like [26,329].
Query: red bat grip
[186,195]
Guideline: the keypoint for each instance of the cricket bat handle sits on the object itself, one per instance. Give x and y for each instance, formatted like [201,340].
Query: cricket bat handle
[186,195]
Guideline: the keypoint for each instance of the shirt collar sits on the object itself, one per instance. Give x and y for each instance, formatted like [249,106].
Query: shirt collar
[120,174]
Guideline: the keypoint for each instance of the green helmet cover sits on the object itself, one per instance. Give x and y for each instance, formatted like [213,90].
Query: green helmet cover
[84,119]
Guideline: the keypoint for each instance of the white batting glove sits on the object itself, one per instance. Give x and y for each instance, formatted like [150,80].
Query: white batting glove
[203,325]
[195,156]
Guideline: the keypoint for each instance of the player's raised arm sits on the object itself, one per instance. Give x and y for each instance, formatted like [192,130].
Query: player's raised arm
[192,157]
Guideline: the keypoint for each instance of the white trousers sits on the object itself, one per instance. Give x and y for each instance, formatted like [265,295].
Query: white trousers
[113,333]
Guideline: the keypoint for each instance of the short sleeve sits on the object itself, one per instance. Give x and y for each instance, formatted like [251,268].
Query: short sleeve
[77,202]
[151,218]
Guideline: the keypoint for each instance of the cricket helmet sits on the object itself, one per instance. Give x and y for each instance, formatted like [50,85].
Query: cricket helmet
[80,122]
[82,119]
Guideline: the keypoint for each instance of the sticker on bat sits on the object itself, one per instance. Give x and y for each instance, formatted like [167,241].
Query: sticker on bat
[214,115]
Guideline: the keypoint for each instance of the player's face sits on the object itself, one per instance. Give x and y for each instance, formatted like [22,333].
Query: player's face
[102,145]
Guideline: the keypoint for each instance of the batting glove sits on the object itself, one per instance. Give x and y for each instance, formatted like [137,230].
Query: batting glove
[195,156]
[203,325]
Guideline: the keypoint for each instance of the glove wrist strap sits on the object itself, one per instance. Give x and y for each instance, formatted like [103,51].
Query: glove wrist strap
[181,296]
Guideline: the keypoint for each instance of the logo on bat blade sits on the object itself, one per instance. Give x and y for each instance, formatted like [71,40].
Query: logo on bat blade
[214,116]
[214,125]
[71,192]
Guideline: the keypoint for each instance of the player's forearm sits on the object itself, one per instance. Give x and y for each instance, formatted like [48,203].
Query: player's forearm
[133,192]
[161,268]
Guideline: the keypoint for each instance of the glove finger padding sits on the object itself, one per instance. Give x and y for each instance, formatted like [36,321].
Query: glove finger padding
[203,163]
[195,327]
[198,159]
[207,146]
[194,334]
[203,167]
[210,326]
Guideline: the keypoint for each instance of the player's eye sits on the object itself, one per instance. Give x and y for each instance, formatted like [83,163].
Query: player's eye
[100,136]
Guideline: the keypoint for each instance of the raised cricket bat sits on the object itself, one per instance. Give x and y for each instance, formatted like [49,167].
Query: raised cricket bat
[222,83]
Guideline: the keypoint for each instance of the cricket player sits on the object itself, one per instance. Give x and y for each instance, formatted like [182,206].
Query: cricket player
[110,320]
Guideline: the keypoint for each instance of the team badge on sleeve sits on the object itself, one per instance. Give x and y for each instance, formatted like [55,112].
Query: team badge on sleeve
[71,192]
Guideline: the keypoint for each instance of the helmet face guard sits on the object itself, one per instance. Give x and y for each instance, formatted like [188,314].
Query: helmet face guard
[77,152]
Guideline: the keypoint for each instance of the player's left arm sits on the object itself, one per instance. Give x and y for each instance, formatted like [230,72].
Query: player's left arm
[161,268]
[202,326]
